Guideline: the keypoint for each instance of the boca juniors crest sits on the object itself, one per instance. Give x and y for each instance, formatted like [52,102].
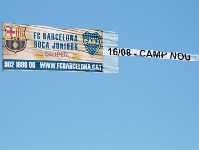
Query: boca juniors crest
[91,42]
[14,38]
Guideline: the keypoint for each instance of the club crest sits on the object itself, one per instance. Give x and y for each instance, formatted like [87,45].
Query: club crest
[91,42]
[15,40]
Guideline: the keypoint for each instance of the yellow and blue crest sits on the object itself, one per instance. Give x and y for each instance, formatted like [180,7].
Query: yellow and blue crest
[91,42]
[15,39]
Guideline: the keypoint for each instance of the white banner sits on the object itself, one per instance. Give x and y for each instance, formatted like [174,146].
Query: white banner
[150,54]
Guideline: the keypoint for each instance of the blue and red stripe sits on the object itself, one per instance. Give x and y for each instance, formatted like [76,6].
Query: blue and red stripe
[21,44]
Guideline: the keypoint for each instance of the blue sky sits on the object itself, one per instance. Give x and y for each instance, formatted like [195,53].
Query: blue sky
[150,104]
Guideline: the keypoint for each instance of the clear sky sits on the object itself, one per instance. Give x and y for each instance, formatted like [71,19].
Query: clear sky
[151,104]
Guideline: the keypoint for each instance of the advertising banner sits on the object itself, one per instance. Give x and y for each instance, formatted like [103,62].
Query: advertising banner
[37,48]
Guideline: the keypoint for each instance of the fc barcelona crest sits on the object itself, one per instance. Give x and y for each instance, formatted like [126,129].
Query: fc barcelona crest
[15,39]
[91,42]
